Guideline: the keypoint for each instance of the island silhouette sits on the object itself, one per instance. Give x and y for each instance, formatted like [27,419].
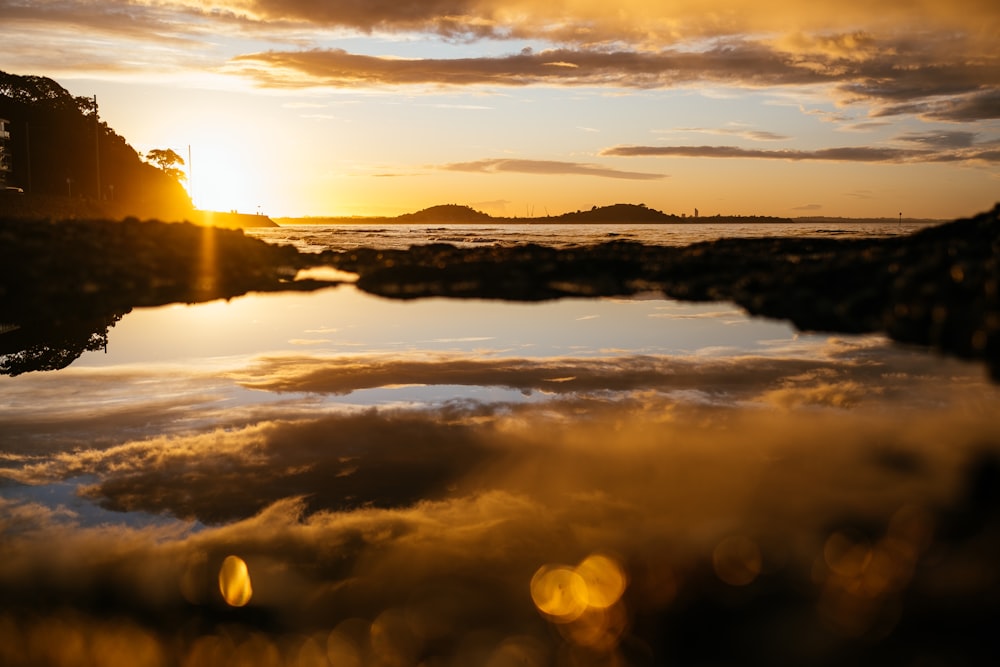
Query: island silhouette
[613,214]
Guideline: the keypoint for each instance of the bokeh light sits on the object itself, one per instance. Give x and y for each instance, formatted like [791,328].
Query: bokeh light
[863,580]
[584,602]
[737,560]
[604,579]
[234,581]
[559,592]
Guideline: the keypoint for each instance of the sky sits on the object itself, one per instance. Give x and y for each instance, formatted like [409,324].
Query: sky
[381,107]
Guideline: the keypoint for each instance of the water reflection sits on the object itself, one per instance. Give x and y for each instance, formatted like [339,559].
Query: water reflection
[582,482]
[51,346]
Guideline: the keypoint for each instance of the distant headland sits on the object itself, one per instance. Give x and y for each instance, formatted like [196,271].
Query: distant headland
[633,214]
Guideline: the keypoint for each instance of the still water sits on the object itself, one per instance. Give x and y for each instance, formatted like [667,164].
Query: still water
[338,479]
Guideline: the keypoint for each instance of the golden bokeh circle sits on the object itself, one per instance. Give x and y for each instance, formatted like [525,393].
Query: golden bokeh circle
[234,581]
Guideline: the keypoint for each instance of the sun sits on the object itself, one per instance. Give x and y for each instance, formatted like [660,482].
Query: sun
[220,178]
[226,166]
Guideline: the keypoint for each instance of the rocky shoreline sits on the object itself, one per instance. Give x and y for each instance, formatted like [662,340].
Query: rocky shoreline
[939,287]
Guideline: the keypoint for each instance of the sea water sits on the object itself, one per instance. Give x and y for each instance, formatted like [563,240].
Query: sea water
[315,238]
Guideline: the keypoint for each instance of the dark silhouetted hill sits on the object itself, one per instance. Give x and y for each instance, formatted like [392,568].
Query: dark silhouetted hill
[446,214]
[632,213]
[57,142]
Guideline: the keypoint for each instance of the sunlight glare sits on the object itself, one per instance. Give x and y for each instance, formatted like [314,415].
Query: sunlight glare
[208,262]
[221,181]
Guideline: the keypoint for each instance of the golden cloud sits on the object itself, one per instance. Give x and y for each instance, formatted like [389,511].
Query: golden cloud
[933,59]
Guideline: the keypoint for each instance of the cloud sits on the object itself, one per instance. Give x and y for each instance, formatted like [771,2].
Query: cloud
[876,154]
[547,167]
[744,133]
[936,60]
[633,21]
[863,126]
[148,22]
[893,84]
[344,375]
[940,140]
[738,63]
[845,154]
[970,107]
[838,28]
[491,205]
[859,194]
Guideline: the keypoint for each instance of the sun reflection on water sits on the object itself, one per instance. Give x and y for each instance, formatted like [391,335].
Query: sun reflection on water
[208,262]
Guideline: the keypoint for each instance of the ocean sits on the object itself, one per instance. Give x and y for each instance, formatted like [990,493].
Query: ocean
[315,238]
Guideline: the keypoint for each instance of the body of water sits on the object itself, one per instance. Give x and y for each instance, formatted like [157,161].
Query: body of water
[345,237]
[333,478]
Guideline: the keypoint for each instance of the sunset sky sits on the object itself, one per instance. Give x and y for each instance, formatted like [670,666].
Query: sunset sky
[370,107]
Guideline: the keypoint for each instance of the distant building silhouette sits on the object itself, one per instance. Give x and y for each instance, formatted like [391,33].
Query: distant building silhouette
[696,213]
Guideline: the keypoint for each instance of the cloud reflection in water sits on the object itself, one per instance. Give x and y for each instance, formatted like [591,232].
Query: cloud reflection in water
[770,505]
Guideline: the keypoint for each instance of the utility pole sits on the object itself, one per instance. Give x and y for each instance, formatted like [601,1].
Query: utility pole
[97,149]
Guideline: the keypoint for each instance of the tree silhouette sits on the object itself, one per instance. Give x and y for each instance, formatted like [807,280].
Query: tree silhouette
[167,160]
[52,138]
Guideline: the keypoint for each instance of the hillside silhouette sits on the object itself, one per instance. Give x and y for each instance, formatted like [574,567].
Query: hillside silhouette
[69,163]
[455,214]
[634,213]
[445,213]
